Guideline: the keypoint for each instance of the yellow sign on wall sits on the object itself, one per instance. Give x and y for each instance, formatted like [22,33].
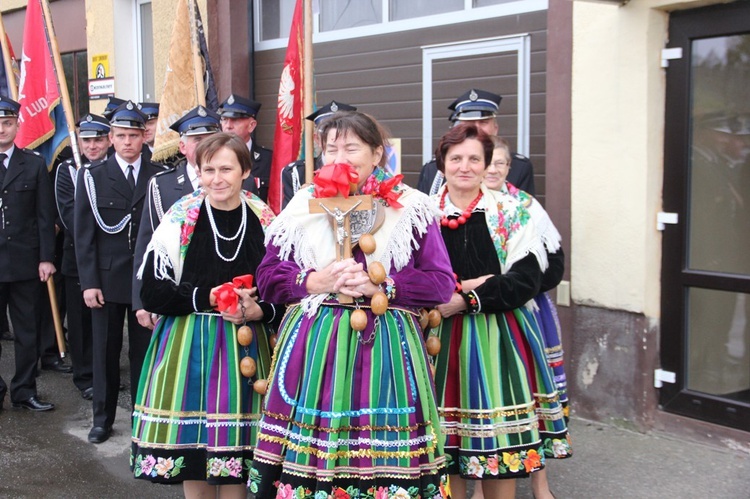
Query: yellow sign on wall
[99,66]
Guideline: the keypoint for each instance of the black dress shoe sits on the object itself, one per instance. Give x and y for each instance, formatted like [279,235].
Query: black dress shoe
[34,404]
[88,393]
[58,366]
[99,434]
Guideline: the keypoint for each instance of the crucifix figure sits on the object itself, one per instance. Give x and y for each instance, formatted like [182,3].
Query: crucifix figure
[340,210]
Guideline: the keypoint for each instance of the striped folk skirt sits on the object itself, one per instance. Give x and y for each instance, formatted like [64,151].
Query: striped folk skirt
[196,416]
[549,323]
[496,395]
[349,415]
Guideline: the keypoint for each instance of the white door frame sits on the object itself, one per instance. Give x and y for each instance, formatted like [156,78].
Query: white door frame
[520,44]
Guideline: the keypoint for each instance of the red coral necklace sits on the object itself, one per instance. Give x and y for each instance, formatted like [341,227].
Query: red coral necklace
[454,223]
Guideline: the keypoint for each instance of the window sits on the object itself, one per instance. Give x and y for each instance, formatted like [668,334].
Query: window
[408,9]
[75,67]
[144,23]
[342,19]
[341,14]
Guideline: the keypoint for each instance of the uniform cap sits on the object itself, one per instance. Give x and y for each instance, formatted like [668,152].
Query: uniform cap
[128,115]
[150,109]
[475,105]
[112,104]
[93,125]
[9,107]
[237,106]
[197,121]
[324,112]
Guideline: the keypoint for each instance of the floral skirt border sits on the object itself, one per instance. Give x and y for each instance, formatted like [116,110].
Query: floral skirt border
[264,485]
[178,465]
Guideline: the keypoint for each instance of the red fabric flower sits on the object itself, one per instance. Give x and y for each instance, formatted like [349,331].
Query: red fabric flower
[243,281]
[334,180]
[226,299]
[385,191]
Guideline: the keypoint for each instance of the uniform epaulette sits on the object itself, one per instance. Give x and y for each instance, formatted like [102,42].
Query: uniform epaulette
[29,151]
[168,170]
[520,156]
[96,164]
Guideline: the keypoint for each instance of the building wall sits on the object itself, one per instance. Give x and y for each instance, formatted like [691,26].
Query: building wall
[382,75]
[617,144]
[67,15]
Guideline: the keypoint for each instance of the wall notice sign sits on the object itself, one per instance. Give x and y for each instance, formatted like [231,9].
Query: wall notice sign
[99,66]
[101,88]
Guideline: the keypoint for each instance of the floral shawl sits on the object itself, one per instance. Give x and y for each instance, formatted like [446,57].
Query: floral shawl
[545,228]
[512,229]
[171,238]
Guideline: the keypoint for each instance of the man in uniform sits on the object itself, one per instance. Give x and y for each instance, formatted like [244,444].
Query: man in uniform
[481,108]
[293,175]
[238,116]
[27,249]
[93,142]
[108,208]
[167,187]
[151,110]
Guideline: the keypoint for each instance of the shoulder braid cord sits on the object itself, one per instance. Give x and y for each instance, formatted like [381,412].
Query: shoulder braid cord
[91,192]
[155,195]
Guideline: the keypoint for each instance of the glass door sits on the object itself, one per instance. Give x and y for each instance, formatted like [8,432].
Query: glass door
[706,257]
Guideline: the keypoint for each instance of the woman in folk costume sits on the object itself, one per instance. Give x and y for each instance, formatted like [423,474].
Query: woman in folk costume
[545,310]
[350,410]
[492,381]
[196,415]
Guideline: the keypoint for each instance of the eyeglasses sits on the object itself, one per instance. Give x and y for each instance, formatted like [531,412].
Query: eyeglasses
[500,164]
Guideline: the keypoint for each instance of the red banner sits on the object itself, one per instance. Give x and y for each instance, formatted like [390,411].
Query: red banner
[289,110]
[37,92]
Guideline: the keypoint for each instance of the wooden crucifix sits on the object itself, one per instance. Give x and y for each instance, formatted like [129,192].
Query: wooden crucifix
[340,210]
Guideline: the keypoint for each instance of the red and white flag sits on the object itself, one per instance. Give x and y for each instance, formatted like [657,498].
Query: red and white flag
[41,120]
[290,122]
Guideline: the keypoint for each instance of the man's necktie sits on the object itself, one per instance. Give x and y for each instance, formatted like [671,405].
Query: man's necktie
[131,178]
[2,168]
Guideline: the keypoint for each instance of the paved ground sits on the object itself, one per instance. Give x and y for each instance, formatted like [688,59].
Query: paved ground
[46,455]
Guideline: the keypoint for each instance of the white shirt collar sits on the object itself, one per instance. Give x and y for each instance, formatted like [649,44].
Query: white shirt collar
[193,176]
[124,166]
[9,153]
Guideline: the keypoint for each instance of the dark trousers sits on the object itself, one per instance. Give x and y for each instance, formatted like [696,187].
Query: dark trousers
[4,312]
[108,322]
[80,338]
[23,300]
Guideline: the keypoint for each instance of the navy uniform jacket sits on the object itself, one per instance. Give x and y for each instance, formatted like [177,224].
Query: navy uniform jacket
[521,175]
[292,177]
[261,169]
[65,190]
[27,217]
[105,258]
[164,189]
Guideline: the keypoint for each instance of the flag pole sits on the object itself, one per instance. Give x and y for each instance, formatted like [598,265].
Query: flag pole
[62,84]
[8,63]
[197,62]
[62,87]
[308,91]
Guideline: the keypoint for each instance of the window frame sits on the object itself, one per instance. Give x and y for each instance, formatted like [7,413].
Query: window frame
[469,13]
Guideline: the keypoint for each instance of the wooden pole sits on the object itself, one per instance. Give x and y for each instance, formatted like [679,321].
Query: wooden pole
[308,91]
[56,316]
[200,86]
[8,63]
[62,87]
[62,84]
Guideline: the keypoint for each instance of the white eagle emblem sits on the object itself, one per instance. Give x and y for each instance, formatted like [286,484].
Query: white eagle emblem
[286,94]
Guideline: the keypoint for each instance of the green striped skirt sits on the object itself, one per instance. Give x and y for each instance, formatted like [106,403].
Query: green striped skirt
[495,393]
[349,415]
[196,416]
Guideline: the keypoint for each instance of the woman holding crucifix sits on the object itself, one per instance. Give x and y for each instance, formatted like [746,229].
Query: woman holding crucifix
[350,410]
[195,418]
